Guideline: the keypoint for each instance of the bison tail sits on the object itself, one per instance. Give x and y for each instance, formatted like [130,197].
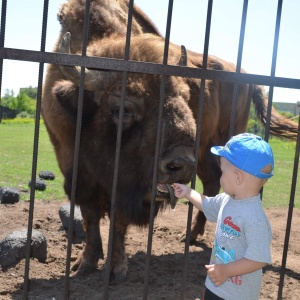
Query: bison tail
[279,125]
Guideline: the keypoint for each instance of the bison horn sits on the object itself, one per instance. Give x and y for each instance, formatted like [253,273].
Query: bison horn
[94,79]
[183,57]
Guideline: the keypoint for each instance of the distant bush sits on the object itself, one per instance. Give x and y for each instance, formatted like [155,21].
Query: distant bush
[25,115]
[20,120]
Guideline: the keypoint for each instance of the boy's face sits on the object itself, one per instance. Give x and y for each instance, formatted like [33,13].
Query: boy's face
[227,180]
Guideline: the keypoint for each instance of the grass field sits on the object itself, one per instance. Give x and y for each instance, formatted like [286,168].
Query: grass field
[16,148]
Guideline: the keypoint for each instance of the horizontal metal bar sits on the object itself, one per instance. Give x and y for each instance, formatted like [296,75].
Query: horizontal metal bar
[146,67]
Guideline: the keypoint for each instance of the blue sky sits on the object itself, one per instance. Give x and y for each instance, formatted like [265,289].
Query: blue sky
[24,21]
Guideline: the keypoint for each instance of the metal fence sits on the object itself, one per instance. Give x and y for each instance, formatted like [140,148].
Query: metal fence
[42,57]
[6,113]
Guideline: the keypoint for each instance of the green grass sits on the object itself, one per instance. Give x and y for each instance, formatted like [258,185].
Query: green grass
[277,190]
[16,148]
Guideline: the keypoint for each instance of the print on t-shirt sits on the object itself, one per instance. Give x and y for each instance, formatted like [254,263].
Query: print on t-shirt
[229,231]
[224,255]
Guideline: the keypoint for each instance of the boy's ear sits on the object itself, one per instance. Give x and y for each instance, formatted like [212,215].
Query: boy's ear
[239,177]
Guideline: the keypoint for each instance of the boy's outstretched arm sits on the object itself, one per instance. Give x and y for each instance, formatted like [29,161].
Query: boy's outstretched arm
[183,191]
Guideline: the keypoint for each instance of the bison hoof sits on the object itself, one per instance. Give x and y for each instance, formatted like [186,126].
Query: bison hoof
[183,239]
[83,269]
[193,236]
[76,265]
[118,274]
[117,278]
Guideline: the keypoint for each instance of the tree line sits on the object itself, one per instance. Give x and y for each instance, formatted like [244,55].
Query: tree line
[25,106]
[24,103]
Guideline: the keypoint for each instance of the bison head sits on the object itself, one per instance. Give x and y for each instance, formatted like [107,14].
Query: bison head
[101,119]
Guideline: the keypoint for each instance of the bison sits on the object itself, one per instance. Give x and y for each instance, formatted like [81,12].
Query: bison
[100,123]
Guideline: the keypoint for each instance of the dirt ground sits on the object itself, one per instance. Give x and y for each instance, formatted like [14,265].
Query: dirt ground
[166,265]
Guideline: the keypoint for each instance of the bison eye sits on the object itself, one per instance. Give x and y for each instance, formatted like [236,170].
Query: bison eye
[175,165]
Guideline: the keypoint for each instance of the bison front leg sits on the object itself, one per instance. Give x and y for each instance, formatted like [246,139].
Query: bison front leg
[87,262]
[118,270]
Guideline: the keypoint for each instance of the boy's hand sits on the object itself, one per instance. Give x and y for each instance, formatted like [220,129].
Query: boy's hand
[216,273]
[180,190]
[183,191]
[220,272]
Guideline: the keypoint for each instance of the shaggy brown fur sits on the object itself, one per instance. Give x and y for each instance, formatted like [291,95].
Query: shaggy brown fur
[101,118]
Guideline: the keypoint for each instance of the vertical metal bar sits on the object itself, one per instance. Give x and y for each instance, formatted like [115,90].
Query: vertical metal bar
[76,152]
[35,153]
[168,32]
[157,151]
[290,215]
[3,22]
[2,39]
[117,156]
[238,69]
[197,145]
[273,68]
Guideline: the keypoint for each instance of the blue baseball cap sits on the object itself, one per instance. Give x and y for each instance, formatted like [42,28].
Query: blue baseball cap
[249,153]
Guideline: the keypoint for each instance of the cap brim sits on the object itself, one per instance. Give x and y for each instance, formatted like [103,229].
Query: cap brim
[218,150]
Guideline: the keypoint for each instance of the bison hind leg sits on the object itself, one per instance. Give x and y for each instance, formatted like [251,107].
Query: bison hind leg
[118,273]
[198,228]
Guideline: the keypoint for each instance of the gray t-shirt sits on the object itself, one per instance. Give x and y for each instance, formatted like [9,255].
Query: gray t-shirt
[242,230]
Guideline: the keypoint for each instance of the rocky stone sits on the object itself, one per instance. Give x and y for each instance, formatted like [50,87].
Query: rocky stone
[13,247]
[40,185]
[64,214]
[47,175]
[9,195]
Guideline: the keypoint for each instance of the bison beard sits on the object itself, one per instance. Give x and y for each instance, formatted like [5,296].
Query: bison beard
[100,120]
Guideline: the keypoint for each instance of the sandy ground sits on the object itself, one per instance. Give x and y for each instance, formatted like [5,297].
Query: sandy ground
[166,264]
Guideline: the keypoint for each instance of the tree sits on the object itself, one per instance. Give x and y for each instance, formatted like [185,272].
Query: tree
[22,103]
[30,92]
[7,98]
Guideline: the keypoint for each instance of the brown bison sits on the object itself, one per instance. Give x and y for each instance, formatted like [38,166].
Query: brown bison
[100,121]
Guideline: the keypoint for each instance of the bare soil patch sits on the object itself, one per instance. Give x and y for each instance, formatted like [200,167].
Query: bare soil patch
[47,279]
